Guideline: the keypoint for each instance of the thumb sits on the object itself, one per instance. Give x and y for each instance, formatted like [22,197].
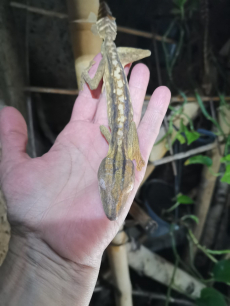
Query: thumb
[13,134]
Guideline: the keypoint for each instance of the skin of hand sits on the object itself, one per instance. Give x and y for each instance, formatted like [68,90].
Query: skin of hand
[56,196]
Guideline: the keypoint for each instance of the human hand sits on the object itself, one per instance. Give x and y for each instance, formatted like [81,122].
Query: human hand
[56,196]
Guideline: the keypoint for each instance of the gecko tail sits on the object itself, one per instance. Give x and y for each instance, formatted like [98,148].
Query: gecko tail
[104,11]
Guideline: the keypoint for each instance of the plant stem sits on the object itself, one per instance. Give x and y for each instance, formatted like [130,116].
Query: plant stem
[202,248]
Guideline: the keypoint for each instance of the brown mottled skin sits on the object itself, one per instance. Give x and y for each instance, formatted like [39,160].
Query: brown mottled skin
[116,173]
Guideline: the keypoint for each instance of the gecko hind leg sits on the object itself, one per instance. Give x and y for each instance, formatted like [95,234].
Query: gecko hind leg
[130,55]
[133,147]
[93,82]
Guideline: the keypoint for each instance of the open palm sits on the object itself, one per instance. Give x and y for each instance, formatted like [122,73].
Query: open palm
[56,196]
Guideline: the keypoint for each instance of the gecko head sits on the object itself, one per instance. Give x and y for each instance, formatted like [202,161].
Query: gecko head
[116,181]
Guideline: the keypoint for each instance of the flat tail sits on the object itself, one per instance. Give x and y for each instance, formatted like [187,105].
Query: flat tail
[104,11]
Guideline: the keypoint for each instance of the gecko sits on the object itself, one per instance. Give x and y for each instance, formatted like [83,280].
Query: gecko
[116,174]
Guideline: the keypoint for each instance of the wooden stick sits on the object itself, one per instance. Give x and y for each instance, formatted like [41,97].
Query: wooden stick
[162,297]
[49,13]
[147,263]
[193,99]
[144,34]
[74,92]
[142,218]
[38,10]
[59,91]
[182,155]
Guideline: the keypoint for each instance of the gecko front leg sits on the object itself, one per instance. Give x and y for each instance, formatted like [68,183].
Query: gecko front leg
[93,82]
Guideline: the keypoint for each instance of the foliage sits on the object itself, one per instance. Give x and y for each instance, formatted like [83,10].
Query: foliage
[210,297]
[182,11]
[226,177]
[193,217]
[183,199]
[221,271]
[180,199]
[199,159]
[190,135]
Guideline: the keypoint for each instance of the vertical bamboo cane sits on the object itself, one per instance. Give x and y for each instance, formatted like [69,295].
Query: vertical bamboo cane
[119,264]
[208,184]
[85,44]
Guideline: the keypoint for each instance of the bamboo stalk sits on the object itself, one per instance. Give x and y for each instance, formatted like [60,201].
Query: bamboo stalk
[204,198]
[117,254]
[208,184]
[145,262]
[85,44]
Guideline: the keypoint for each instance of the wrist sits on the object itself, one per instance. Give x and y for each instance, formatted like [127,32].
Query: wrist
[39,276]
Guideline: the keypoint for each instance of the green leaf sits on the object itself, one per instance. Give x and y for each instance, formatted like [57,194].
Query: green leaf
[183,199]
[211,297]
[226,177]
[191,136]
[227,145]
[225,159]
[206,114]
[221,271]
[194,218]
[180,138]
[199,159]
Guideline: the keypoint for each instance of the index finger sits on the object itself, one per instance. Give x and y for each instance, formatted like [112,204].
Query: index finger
[152,120]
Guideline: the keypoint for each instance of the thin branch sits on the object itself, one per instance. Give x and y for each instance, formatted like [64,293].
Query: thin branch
[202,248]
[49,13]
[162,297]
[194,99]
[74,92]
[182,155]
[145,34]
[38,10]
[59,91]
[171,283]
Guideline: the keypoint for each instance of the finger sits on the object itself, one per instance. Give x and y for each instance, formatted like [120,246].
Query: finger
[86,103]
[138,83]
[151,122]
[101,113]
[13,134]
